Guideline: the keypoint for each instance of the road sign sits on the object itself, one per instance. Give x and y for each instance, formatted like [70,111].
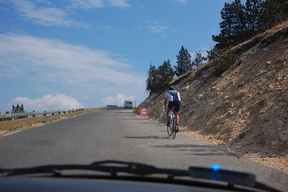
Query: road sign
[144,111]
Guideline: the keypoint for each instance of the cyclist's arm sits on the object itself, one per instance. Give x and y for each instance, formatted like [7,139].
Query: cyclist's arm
[166,103]
[178,94]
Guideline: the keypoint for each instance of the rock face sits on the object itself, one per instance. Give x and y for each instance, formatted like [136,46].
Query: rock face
[246,107]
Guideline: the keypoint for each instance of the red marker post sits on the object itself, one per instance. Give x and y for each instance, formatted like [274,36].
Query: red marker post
[144,111]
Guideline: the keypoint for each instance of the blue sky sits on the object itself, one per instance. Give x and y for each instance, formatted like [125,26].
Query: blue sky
[89,53]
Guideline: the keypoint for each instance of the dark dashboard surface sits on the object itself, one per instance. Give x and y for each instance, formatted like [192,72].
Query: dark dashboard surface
[73,185]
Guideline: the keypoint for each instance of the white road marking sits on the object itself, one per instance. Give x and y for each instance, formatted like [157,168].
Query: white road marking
[12,133]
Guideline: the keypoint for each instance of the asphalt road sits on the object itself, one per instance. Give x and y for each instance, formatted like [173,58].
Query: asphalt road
[120,135]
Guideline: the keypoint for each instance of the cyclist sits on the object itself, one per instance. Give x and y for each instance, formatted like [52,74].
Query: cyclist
[172,102]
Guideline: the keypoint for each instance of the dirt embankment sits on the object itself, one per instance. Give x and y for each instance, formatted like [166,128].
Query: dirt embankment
[246,108]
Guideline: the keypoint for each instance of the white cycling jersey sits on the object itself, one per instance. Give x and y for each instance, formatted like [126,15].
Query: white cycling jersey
[173,95]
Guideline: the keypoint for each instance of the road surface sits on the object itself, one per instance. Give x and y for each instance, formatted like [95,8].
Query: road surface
[120,135]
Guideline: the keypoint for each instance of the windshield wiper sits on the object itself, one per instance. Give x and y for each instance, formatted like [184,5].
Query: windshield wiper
[111,167]
[114,168]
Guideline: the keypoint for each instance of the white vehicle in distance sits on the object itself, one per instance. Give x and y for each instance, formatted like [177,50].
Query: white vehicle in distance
[128,104]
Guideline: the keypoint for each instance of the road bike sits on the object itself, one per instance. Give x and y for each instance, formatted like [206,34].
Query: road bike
[172,128]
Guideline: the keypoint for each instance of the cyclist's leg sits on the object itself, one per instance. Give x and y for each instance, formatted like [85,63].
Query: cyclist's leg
[177,117]
[168,117]
[176,111]
[169,110]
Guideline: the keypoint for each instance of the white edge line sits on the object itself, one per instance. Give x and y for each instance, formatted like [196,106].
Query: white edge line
[12,133]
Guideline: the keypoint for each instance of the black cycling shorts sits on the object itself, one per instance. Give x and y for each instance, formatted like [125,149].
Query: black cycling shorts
[175,105]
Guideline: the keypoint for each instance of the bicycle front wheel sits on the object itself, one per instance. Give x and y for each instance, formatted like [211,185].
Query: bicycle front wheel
[171,130]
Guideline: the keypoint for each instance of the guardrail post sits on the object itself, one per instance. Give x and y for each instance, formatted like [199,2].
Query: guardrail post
[11,116]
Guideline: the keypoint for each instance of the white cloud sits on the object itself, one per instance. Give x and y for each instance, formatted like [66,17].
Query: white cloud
[90,4]
[28,54]
[57,67]
[42,15]
[182,1]
[47,103]
[119,3]
[87,4]
[117,100]
[156,27]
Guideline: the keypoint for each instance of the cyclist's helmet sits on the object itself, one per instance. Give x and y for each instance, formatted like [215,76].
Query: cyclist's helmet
[171,88]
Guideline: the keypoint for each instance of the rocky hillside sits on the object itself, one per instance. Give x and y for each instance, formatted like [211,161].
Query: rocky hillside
[246,107]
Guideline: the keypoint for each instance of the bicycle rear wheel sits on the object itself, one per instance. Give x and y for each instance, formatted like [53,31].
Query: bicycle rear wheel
[171,130]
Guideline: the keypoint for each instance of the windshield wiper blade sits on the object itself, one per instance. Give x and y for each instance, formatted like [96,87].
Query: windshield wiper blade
[141,169]
[216,174]
[112,167]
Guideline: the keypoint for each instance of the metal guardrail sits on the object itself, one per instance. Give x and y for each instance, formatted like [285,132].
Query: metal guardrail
[34,114]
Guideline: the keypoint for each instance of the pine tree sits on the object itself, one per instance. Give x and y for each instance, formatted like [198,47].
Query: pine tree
[150,82]
[22,109]
[165,74]
[199,58]
[238,23]
[158,79]
[225,37]
[241,22]
[232,27]
[17,109]
[272,13]
[214,53]
[183,62]
[252,16]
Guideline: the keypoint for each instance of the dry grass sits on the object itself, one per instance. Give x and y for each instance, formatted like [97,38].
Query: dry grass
[11,125]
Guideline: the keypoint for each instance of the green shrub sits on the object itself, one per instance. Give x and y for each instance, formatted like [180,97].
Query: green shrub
[223,63]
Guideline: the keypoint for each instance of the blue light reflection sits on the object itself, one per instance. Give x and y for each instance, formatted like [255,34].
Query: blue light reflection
[215,167]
